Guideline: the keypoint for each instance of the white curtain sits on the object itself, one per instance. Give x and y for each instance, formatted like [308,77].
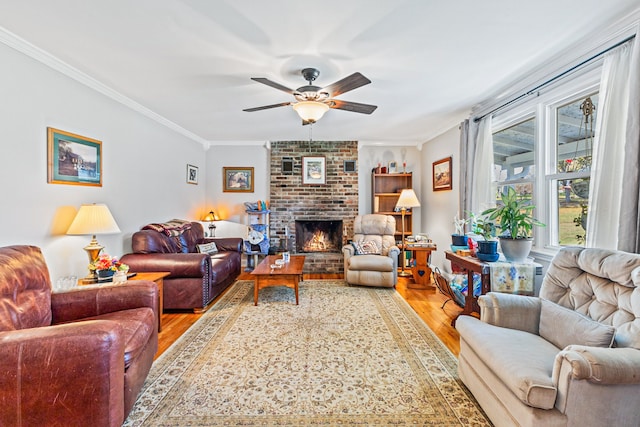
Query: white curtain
[483,193]
[605,190]
[629,231]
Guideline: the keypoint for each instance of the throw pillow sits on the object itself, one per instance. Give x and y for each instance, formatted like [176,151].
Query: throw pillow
[207,248]
[366,247]
[562,327]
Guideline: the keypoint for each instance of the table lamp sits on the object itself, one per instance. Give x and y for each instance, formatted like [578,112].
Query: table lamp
[91,220]
[407,199]
[211,217]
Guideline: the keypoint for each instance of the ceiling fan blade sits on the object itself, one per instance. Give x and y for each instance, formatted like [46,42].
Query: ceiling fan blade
[266,107]
[351,82]
[355,107]
[272,84]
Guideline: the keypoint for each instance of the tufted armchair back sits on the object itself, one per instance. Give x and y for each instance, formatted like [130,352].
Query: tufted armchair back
[377,228]
[601,284]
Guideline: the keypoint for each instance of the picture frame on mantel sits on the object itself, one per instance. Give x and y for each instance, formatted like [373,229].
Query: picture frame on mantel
[73,159]
[442,177]
[237,179]
[314,170]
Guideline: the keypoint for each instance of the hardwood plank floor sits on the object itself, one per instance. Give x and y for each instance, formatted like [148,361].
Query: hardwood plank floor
[426,302]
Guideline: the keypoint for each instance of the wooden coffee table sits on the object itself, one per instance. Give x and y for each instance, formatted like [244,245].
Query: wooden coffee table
[289,275]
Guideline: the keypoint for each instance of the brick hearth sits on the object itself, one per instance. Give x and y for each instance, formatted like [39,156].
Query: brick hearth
[290,200]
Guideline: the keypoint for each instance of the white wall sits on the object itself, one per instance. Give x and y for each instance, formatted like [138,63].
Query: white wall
[230,206]
[144,164]
[439,207]
[368,158]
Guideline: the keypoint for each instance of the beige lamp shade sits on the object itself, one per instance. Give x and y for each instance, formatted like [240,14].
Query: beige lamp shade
[310,111]
[93,219]
[407,199]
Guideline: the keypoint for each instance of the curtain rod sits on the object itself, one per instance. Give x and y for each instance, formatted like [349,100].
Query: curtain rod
[554,78]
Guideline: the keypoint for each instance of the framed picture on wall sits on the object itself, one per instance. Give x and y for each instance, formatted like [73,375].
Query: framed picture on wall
[192,174]
[442,175]
[314,170]
[237,179]
[73,159]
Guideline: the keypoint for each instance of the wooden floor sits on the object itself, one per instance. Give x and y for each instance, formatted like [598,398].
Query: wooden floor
[426,302]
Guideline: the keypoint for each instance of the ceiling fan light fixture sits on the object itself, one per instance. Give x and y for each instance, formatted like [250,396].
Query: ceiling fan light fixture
[310,111]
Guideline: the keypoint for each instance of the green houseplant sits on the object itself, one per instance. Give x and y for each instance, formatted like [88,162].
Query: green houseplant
[487,248]
[515,220]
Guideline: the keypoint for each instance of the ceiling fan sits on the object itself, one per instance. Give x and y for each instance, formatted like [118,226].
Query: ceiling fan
[313,101]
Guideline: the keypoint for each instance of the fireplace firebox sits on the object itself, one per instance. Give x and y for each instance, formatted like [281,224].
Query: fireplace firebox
[318,236]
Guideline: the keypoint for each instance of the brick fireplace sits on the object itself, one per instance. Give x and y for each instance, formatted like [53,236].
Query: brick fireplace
[333,202]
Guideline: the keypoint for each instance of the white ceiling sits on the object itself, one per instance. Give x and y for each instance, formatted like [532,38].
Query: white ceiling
[190,61]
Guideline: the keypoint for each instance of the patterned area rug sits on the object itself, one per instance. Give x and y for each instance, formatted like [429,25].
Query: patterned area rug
[344,356]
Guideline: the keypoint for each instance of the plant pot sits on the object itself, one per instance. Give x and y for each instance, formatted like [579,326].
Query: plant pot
[104,275]
[459,240]
[488,246]
[516,250]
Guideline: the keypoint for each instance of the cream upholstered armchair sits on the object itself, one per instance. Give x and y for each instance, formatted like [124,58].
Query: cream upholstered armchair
[568,358]
[372,258]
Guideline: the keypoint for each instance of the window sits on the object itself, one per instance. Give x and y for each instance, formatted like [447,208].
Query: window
[574,131]
[543,149]
[514,159]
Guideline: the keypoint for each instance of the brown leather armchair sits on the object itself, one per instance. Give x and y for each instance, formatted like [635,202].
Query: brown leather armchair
[77,358]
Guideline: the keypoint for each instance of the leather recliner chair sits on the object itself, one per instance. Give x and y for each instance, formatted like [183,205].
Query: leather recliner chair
[76,358]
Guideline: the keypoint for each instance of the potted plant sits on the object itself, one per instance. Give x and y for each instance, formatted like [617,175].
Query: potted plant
[487,248]
[515,220]
[459,238]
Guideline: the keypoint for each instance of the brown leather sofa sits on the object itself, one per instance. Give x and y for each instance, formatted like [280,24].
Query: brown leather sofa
[195,278]
[77,358]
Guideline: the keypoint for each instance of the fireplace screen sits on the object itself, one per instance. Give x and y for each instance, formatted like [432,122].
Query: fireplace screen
[318,236]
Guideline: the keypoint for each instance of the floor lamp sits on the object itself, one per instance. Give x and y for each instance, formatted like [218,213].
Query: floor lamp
[407,199]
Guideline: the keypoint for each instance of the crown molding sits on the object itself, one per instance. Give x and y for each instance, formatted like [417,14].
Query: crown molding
[12,40]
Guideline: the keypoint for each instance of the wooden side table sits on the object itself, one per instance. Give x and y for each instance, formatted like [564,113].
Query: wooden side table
[421,271]
[158,278]
[474,265]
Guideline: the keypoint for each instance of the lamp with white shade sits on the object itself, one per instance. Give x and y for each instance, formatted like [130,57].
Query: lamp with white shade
[407,199]
[91,220]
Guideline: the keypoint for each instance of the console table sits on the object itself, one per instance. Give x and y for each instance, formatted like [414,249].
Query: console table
[474,265]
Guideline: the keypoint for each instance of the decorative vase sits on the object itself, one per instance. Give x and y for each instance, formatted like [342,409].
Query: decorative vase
[516,250]
[104,275]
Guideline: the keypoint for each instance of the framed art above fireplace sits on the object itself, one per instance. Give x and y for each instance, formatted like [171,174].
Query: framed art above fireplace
[314,170]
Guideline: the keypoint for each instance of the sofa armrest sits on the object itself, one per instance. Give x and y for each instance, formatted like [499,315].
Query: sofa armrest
[225,244]
[511,311]
[70,374]
[177,264]
[598,365]
[82,302]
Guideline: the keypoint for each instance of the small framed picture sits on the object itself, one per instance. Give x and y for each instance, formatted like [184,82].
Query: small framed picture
[349,166]
[192,174]
[73,159]
[442,179]
[393,167]
[237,179]
[314,170]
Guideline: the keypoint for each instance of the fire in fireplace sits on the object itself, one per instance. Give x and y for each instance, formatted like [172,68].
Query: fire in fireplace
[318,236]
